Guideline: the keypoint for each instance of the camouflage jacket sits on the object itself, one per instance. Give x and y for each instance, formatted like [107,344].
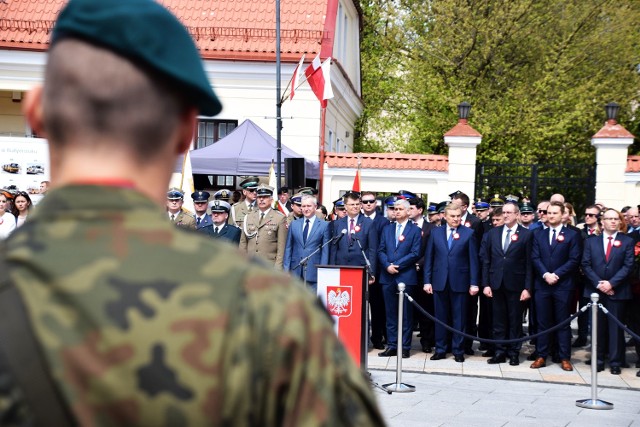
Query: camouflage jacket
[143,323]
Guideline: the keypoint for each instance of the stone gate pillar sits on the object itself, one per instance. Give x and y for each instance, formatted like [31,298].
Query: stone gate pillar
[462,140]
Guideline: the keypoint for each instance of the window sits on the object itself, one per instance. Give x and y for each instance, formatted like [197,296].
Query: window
[225,180]
[328,144]
[210,131]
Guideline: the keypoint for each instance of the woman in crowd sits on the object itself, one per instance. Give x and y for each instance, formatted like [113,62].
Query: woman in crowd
[7,220]
[21,207]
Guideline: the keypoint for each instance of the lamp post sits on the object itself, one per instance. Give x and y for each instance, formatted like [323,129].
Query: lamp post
[612,112]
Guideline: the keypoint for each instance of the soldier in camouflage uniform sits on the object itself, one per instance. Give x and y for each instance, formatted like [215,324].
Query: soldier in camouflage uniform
[264,231]
[140,322]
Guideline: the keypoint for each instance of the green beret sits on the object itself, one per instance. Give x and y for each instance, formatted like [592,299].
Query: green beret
[146,33]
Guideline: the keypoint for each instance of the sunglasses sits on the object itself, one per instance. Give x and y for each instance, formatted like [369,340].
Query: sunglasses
[368,202]
[542,211]
[252,190]
[591,215]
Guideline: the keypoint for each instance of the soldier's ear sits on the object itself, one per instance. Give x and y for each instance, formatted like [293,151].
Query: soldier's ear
[187,130]
[32,110]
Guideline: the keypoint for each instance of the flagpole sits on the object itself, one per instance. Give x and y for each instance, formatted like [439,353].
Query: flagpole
[184,162]
[323,118]
[278,101]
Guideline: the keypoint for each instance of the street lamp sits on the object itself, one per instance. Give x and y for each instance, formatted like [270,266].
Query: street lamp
[463,110]
[612,112]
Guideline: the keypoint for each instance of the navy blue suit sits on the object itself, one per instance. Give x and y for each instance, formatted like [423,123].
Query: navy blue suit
[553,302]
[616,271]
[227,232]
[404,255]
[347,251]
[296,249]
[376,299]
[508,274]
[451,272]
[204,222]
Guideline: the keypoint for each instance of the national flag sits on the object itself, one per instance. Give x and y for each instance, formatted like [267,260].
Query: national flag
[295,79]
[186,183]
[356,182]
[319,78]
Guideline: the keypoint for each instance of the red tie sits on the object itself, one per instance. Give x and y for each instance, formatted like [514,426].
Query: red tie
[609,245]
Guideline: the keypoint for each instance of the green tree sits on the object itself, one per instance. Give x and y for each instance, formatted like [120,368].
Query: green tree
[537,74]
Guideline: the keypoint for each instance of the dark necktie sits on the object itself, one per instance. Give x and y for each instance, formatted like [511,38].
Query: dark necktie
[305,231]
[507,240]
[198,221]
[609,246]
[553,237]
[215,230]
[173,217]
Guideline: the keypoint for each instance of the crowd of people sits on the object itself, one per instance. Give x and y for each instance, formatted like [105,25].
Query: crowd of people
[482,268]
[15,207]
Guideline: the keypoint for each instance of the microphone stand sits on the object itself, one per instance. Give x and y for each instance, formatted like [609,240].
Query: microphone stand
[303,262]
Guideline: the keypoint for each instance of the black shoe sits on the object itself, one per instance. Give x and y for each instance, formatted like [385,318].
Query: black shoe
[438,356]
[489,353]
[483,347]
[579,342]
[497,359]
[427,348]
[533,356]
[459,358]
[615,370]
[378,345]
[638,374]
[514,361]
[587,362]
[600,368]
[405,354]
[638,364]
[388,352]
[469,352]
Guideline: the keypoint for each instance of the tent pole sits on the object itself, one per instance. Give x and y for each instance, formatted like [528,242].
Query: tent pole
[278,103]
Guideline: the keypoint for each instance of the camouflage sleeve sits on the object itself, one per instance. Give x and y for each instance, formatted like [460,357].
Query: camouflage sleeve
[306,376]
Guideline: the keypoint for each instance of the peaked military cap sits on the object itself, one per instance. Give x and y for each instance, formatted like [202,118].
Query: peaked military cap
[306,190]
[222,195]
[297,199]
[441,206]
[454,194]
[283,190]
[391,200]
[526,208]
[512,198]
[339,204]
[200,196]
[265,190]
[404,194]
[146,33]
[174,194]
[250,183]
[482,205]
[433,208]
[496,201]
[220,206]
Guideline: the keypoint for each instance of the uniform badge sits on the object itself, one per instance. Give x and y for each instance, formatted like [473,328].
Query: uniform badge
[339,300]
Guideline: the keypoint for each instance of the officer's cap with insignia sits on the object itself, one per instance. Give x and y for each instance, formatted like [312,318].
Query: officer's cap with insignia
[526,208]
[441,206]
[283,190]
[222,195]
[454,194]
[265,190]
[391,200]
[250,183]
[174,194]
[339,204]
[482,205]
[307,190]
[433,208]
[496,201]
[220,206]
[146,33]
[512,198]
[200,196]
[404,194]
[297,199]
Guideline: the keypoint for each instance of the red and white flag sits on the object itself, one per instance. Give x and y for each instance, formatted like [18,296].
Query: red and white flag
[319,78]
[295,80]
[356,182]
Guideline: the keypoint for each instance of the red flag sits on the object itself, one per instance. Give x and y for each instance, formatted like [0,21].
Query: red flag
[356,182]
[319,78]
[295,80]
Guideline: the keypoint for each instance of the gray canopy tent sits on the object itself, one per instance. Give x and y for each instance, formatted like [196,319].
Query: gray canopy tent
[248,150]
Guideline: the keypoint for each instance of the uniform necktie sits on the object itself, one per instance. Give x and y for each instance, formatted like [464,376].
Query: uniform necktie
[305,231]
[198,221]
[215,230]
[173,217]
[609,246]
[261,217]
[450,240]
[507,240]
[553,237]
[398,233]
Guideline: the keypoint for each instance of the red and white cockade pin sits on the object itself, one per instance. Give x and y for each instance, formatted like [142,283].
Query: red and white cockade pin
[514,238]
[616,243]
[467,224]
[560,238]
[401,238]
[456,236]
[357,229]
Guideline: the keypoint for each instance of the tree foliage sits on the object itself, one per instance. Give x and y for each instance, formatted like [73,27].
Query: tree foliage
[537,73]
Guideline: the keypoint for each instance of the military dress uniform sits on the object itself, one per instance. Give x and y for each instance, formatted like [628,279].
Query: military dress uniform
[241,209]
[265,237]
[183,218]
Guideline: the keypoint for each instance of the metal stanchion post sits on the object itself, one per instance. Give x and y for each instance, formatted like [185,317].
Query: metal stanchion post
[399,386]
[594,403]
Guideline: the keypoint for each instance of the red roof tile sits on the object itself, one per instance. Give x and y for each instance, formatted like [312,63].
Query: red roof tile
[398,161]
[462,128]
[611,129]
[223,29]
[633,164]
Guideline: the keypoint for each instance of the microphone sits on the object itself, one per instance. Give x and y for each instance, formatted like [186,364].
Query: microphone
[342,233]
[353,234]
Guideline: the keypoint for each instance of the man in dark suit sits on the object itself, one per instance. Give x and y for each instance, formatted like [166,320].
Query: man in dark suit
[451,272]
[607,262]
[556,257]
[305,236]
[506,279]
[398,253]
[346,251]
[220,227]
[376,299]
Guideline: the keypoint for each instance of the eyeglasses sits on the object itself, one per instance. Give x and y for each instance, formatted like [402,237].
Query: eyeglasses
[368,202]
[542,211]
[611,219]
[591,215]
[353,204]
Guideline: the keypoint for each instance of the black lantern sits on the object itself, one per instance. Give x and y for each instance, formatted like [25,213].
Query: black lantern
[612,111]
[463,110]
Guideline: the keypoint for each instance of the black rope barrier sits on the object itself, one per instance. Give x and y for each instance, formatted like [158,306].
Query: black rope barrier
[619,323]
[492,341]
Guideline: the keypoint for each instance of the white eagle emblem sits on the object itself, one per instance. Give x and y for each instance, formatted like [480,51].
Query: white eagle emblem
[339,302]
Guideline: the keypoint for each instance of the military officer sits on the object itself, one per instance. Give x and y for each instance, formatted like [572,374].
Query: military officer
[176,213]
[296,209]
[200,199]
[243,207]
[223,194]
[264,231]
[218,228]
